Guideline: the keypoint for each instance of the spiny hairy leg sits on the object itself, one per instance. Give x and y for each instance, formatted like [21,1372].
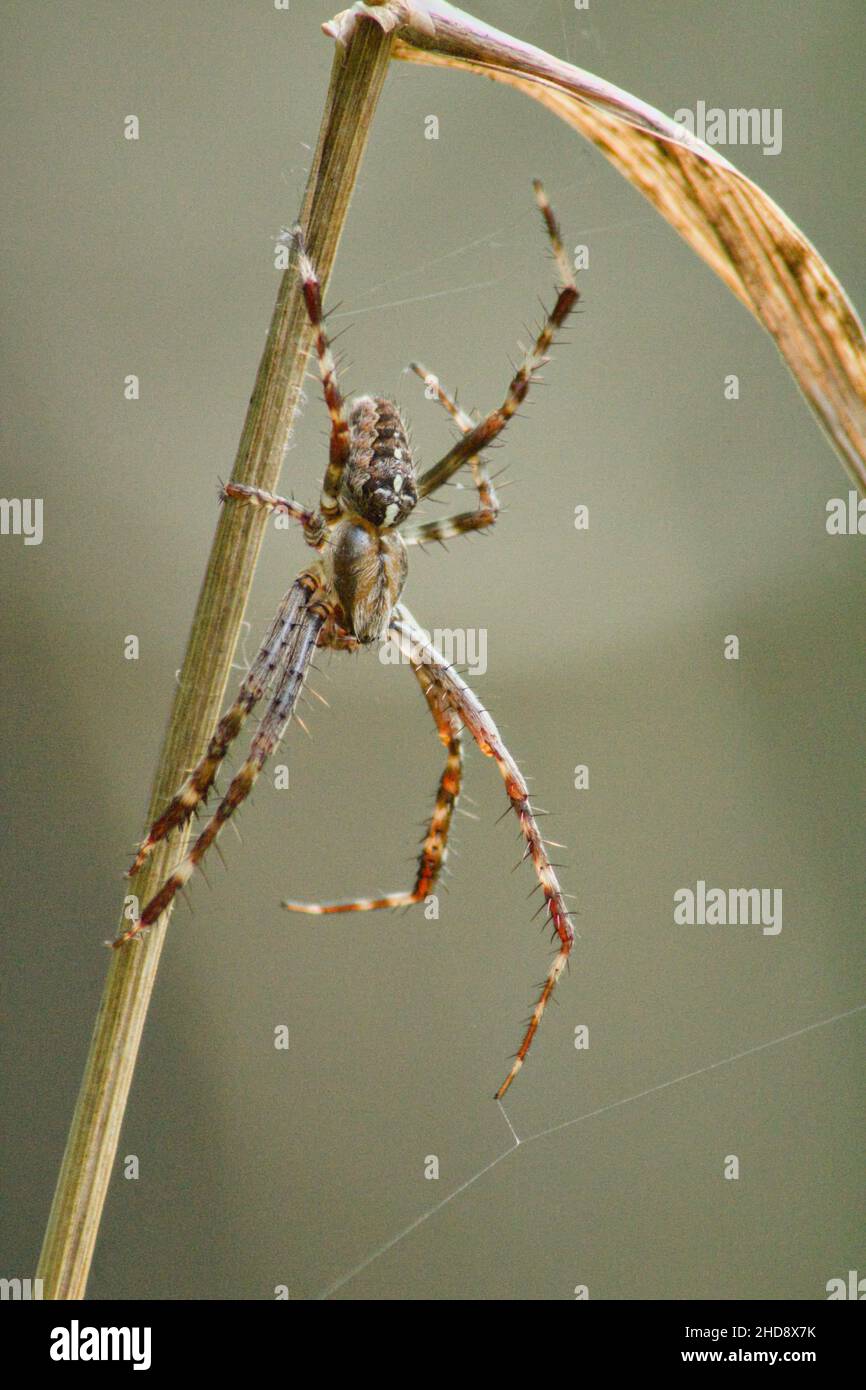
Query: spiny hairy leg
[297,654]
[488,503]
[483,434]
[259,677]
[432,383]
[254,685]
[313,523]
[329,503]
[458,697]
[434,849]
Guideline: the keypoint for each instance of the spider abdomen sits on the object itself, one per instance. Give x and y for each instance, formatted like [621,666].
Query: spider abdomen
[379,482]
[369,571]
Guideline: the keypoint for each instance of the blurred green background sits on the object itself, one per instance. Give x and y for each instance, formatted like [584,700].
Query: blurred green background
[261,1167]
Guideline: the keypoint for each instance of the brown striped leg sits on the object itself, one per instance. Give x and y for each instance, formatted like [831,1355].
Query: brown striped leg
[434,850]
[484,433]
[298,653]
[313,523]
[329,503]
[458,697]
[488,503]
[254,685]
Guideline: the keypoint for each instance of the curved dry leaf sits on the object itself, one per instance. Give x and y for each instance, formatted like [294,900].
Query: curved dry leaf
[746,238]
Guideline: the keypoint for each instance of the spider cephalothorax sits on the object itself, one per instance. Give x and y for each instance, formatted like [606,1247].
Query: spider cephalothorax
[351,594]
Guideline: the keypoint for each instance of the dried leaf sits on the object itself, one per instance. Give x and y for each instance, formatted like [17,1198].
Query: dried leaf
[761,255]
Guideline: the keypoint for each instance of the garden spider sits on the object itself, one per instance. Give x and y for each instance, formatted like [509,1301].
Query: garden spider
[349,597]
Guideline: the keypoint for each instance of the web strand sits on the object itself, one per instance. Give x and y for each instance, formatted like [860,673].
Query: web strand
[567,1124]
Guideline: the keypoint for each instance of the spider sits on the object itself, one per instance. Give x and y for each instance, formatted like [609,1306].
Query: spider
[349,597]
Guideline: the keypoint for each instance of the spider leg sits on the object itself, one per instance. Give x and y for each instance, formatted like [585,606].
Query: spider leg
[457,413]
[329,502]
[434,850]
[296,654]
[460,699]
[484,433]
[488,503]
[315,530]
[254,685]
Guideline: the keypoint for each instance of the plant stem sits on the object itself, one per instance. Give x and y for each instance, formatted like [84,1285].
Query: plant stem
[357,77]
